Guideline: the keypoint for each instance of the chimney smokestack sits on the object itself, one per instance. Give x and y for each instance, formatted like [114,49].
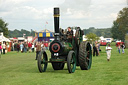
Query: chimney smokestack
[56,22]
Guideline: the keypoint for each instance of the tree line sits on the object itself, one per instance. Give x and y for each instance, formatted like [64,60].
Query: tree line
[105,32]
[20,33]
[99,32]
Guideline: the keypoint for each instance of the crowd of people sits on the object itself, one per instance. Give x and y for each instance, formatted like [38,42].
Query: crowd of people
[28,47]
[96,49]
[121,46]
[23,47]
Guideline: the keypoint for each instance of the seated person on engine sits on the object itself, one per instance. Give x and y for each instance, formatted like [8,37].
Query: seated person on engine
[69,34]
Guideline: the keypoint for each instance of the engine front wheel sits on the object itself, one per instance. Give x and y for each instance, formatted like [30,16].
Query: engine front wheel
[71,62]
[41,62]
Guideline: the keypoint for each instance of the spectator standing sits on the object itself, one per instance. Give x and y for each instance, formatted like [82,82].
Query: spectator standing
[1,48]
[29,47]
[95,49]
[25,47]
[38,49]
[108,51]
[123,47]
[21,47]
[13,46]
[33,47]
[4,47]
[119,48]
[46,45]
[43,47]
[18,47]
[98,48]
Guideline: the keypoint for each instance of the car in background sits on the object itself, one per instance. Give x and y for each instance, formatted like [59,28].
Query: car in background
[118,41]
[103,43]
[108,40]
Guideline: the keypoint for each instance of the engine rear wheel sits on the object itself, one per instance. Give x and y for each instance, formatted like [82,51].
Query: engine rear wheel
[71,62]
[85,55]
[41,62]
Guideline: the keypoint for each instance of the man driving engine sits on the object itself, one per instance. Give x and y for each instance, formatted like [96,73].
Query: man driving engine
[69,34]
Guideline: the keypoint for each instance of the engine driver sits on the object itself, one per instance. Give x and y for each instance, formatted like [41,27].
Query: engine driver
[69,34]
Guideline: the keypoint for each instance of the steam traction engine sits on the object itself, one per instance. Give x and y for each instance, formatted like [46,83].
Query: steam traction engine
[75,53]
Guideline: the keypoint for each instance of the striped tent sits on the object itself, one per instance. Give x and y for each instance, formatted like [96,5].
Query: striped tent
[45,35]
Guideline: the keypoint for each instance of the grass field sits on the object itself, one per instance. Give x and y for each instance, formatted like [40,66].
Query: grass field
[21,69]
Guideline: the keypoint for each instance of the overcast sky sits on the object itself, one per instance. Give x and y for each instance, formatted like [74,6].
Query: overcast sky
[33,14]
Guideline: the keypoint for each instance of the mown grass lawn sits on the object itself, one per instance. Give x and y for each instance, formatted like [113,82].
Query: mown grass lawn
[21,69]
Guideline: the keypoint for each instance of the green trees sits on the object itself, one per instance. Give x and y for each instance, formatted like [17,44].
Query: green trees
[120,25]
[3,27]
[19,33]
[106,32]
[126,40]
[92,37]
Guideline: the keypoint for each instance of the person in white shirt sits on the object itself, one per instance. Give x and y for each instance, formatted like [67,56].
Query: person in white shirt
[123,47]
[33,47]
[108,51]
[43,47]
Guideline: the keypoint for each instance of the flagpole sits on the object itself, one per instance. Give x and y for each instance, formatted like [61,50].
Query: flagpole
[46,24]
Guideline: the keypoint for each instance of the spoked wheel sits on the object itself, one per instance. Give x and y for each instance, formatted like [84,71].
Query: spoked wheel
[41,62]
[85,55]
[71,62]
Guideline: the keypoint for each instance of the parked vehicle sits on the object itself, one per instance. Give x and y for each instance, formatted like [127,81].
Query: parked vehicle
[108,40]
[103,43]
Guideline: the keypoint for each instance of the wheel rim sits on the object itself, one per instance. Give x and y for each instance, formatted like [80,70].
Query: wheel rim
[73,63]
[42,64]
[89,56]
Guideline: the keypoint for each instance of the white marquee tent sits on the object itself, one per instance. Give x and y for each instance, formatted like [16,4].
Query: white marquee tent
[2,38]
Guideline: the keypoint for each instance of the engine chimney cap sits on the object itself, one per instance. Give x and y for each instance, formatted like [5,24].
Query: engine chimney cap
[56,11]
